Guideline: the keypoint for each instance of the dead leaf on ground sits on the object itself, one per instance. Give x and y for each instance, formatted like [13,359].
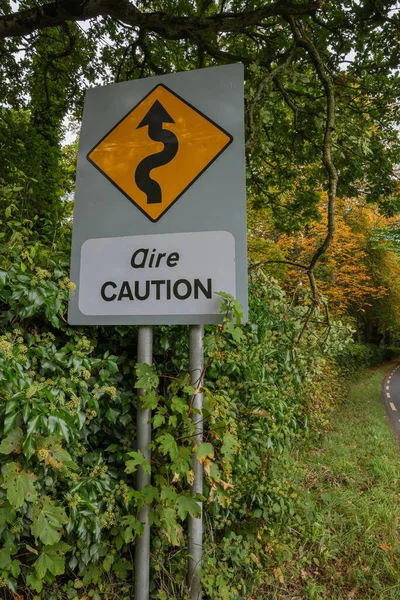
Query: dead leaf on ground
[384,546]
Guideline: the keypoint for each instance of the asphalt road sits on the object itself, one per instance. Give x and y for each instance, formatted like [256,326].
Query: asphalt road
[391,398]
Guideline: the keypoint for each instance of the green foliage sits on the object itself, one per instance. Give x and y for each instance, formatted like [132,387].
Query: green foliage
[52,560]
[33,170]
[19,485]
[391,353]
[346,540]
[47,522]
[360,356]
[68,452]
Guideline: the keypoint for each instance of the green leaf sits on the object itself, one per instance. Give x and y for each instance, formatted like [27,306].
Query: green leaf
[121,568]
[179,405]
[168,495]
[29,446]
[112,366]
[58,457]
[12,442]
[34,582]
[7,514]
[235,332]
[108,561]
[52,559]
[149,400]
[19,485]
[150,493]
[112,415]
[147,379]
[188,505]
[34,424]
[9,422]
[204,451]
[168,445]
[47,522]
[91,575]
[158,420]
[133,527]
[172,528]
[5,559]
[15,568]
[138,459]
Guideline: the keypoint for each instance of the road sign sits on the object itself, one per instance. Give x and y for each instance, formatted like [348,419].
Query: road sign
[159,219]
[148,274]
[162,132]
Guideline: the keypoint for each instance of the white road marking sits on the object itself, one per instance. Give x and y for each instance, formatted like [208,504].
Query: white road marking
[387,387]
[392,406]
[388,395]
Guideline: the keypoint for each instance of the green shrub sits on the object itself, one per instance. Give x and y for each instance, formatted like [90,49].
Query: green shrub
[68,502]
[360,356]
[391,353]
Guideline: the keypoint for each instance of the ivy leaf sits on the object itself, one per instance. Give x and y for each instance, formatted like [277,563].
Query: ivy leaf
[188,505]
[205,451]
[56,455]
[112,415]
[9,422]
[19,485]
[12,442]
[52,559]
[47,522]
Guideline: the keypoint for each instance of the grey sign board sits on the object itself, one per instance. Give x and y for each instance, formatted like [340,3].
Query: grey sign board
[160,206]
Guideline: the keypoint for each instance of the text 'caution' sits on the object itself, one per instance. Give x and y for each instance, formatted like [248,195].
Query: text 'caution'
[134,275]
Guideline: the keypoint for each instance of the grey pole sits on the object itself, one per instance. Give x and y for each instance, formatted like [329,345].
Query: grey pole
[142,546]
[195,525]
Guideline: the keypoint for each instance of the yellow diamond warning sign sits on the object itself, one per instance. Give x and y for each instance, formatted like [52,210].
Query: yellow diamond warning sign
[158,150]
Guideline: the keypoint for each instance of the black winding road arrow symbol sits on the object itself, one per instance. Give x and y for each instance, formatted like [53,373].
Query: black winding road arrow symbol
[156,116]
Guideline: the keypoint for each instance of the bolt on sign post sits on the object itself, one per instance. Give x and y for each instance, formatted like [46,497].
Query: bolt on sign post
[160,225]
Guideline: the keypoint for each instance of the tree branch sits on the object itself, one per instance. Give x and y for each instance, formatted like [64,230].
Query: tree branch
[25,22]
[280,262]
[267,79]
[328,86]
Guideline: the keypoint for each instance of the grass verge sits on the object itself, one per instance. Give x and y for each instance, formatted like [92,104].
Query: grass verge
[347,544]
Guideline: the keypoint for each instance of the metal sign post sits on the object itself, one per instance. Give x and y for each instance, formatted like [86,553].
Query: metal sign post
[195,525]
[142,545]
